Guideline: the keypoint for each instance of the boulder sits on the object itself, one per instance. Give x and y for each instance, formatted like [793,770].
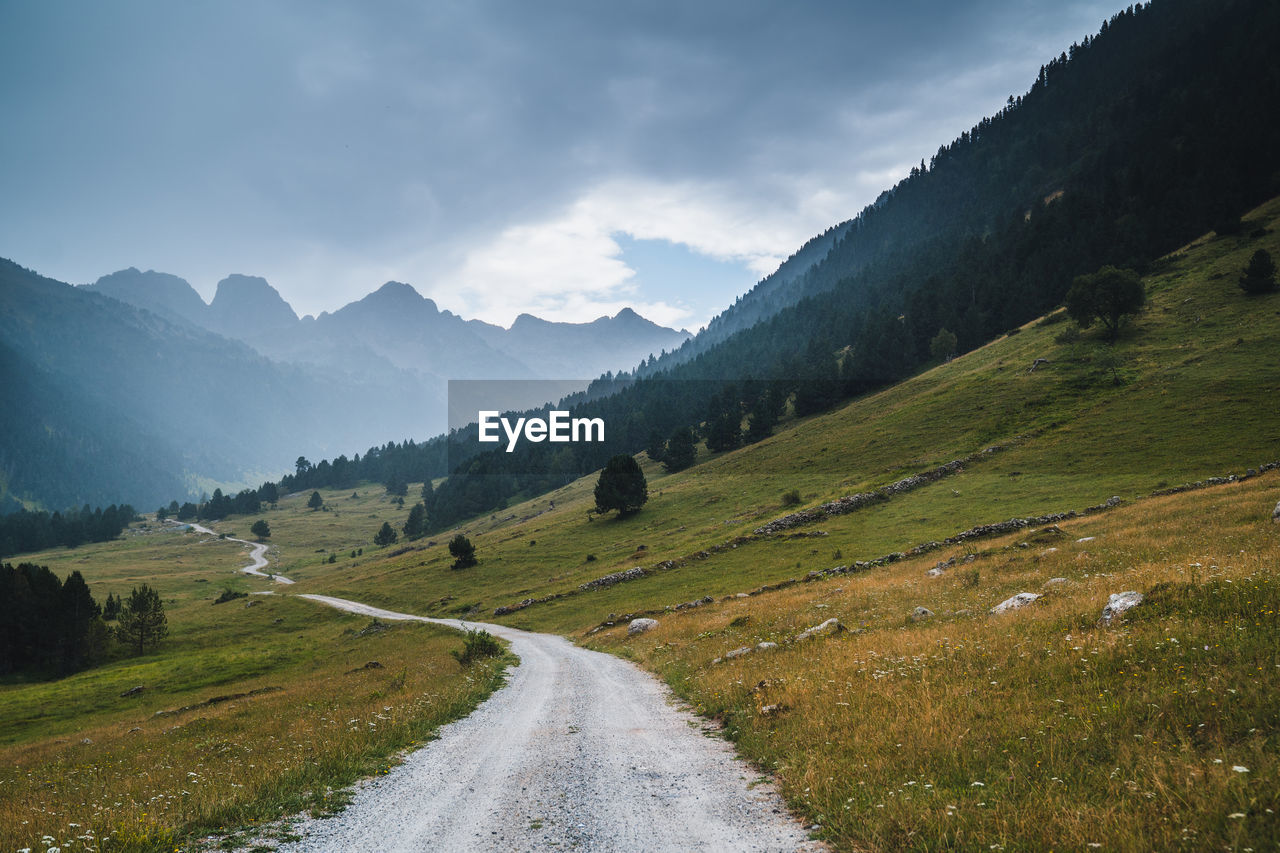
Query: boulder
[1275,513]
[134,691]
[737,653]
[1022,599]
[1118,603]
[639,626]
[766,645]
[920,614]
[1052,582]
[831,626]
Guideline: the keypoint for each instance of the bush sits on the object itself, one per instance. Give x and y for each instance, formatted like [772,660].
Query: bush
[229,595]
[791,498]
[478,644]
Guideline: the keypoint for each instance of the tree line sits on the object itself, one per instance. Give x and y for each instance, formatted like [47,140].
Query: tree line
[51,627]
[26,530]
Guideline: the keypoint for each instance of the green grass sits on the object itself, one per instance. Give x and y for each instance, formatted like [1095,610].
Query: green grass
[1188,392]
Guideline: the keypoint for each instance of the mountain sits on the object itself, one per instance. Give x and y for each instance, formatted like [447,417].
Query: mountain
[164,294]
[582,350]
[169,407]
[246,307]
[1127,146]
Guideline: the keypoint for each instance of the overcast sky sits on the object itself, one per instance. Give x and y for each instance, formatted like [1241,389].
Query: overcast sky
[565,159]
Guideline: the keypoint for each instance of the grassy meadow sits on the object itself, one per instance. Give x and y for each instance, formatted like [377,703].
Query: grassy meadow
[1034,729]
[83,767]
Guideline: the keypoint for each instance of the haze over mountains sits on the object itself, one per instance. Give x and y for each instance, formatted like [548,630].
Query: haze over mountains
[133,389]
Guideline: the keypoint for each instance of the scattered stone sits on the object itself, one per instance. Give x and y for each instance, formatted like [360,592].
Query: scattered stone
[134,729]
[86,741]
[737,653]
[639,626]
[766,645]
[741,595]
[940,568]
[770,710]
[616,577]
[831,626]
[1275,513]
[1022,599]
[1118,603]
[133,691]
[1052,582]
[920,614]
[1086,538]
[253,603]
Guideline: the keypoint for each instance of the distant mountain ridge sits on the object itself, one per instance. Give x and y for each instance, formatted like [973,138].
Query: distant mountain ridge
[397,325]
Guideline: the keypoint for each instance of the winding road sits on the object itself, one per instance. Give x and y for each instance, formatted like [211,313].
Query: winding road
[580,750]
[257,554]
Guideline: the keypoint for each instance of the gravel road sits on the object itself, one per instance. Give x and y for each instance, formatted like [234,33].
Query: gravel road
[580,751]
[257,553]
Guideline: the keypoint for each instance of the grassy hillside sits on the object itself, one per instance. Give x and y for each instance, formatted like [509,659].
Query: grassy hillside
[1186,393]
[1029,730]
[252,708]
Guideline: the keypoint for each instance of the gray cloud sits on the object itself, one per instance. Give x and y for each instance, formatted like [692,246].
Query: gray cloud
[332,146]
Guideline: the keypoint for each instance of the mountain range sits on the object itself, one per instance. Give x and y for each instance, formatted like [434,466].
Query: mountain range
[134,389]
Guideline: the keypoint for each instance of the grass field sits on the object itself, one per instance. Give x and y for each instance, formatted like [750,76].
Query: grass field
[1036,729]
[83,767]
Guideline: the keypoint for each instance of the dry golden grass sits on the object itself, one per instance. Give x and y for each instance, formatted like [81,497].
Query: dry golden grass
[1035,729]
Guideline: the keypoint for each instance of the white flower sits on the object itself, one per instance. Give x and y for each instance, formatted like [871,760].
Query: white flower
[1240,768]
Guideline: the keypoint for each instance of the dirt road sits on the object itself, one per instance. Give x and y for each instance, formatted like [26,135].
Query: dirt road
[580,750]
[257,554]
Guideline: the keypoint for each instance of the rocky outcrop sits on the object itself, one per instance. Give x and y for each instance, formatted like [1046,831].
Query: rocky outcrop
[831,626]
[851,503]
[1118,603]
[615,578]
[920,614]
[1020,600]
[640,626]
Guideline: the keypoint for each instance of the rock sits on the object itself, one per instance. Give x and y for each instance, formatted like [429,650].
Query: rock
[770,710]
[1052,582]
[831,626]
[737,653]
[133,691]
[373,664]
[766,645]
[86,741]
[1118,603]
[639,626]
[741,595]
[1275,514]
[254,603]
[1022,599]
[920,614]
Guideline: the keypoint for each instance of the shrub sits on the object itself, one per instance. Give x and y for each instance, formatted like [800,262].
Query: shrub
[791,498]
[478,644]
[229,595]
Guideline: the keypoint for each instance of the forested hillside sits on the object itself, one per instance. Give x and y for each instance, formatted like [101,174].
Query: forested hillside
[1157,129]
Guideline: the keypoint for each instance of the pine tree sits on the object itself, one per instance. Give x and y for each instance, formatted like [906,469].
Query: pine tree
[621,486]
[1260,275]
[142,619]
[260,529]
[315,501]
[386,535]
[464,553]
[416,524]
[681,452]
